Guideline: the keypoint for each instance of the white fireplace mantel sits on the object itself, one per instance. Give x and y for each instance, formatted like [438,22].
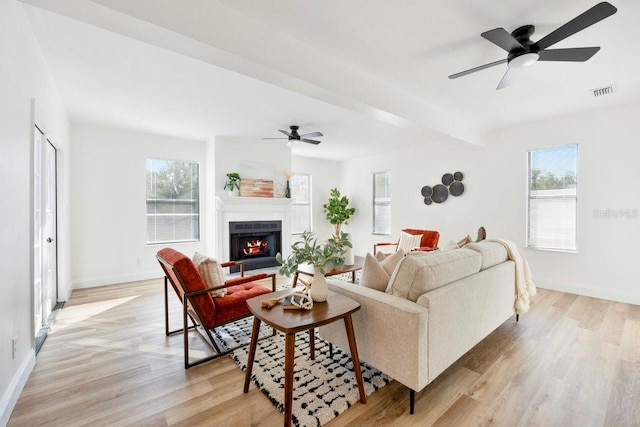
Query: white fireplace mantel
[230,209]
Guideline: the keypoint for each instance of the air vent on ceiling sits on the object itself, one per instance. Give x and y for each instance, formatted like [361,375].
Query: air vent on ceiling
[607,90]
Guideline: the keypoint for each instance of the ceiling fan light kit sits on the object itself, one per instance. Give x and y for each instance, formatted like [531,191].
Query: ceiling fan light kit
[523,52]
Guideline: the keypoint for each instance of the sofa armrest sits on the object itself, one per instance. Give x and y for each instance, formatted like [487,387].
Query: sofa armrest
[391,333]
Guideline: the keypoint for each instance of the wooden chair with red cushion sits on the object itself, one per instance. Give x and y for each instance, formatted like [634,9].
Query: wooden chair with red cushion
[206,312]
[428,242]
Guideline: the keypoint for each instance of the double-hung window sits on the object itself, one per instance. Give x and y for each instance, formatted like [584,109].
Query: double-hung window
[173,201]
[382,202]
[300,203]
[552,198]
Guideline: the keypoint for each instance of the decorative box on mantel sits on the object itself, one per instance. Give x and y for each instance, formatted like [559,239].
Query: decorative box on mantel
[232,209]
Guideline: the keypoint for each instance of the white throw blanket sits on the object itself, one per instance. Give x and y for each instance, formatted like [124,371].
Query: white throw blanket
[524,285]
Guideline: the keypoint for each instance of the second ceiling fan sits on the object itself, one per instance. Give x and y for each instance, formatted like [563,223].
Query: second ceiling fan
[294,136]
[522,51]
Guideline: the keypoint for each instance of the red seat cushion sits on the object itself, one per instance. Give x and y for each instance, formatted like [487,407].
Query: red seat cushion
[233,305]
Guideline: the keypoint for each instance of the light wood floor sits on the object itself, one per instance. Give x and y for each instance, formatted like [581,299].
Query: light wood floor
[570,361]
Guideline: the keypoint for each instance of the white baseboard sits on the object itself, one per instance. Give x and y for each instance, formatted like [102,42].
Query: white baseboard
[112,280]
[588,291]
[12,393]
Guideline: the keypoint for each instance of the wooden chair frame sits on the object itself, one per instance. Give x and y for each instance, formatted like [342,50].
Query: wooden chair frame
[190,311]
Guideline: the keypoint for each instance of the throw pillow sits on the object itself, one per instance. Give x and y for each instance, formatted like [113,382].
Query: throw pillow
[389,263]
[380,256]
[409,242]
[464,241]
[374,276]
[450,246]
[211,273]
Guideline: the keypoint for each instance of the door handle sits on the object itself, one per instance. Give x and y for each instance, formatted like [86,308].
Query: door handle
[49,240]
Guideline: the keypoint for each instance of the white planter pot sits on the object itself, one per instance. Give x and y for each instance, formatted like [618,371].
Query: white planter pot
[349,258]
[233,193]
[319,290]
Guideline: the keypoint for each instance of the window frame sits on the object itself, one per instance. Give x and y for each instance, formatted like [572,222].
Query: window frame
[198,202]
[529,245]
[309,204]
[375,203]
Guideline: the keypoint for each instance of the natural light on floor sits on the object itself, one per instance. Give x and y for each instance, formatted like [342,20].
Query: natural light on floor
[78,313]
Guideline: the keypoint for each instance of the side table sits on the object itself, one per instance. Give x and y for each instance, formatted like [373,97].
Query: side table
[290,322]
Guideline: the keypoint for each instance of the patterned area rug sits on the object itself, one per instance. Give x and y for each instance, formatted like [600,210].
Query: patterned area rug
[322,389]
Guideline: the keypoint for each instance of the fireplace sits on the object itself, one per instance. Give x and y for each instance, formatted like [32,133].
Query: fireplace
[255,242]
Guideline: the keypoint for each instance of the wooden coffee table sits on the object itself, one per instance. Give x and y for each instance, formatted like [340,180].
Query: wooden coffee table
[351,268]
[290,322]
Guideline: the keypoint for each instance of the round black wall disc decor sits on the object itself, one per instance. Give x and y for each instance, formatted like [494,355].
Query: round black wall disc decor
[456,189]
[458,176]
[426,191]
[447,179]
[440,193]
[427,200]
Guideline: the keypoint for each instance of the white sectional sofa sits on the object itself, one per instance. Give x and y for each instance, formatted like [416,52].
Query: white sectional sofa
[436,307]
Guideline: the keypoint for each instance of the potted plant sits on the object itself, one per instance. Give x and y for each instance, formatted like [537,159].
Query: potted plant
[233,183]
[338,212]
[321,256]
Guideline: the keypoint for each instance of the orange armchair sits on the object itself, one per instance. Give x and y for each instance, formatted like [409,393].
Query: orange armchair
[204,311]
[428,242]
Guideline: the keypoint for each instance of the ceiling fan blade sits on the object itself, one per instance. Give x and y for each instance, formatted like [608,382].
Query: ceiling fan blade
[473,70]
[274,138]
[577,54]
[311,135]
[596,14]
[284,131]
[507,79]
[500,37]
[310,141]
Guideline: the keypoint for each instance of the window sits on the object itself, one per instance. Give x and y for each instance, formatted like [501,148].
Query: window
[553,178]
[173,202]
[382,203]
[301,203]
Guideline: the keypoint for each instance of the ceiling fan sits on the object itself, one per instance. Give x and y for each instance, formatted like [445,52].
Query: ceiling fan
[522,51]
[293,136]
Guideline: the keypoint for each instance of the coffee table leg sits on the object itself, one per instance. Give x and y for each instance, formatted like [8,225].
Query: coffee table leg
[312,344]
[348,323]
[290,342]
[252,352]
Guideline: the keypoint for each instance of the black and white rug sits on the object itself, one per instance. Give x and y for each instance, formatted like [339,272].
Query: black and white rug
[323,388]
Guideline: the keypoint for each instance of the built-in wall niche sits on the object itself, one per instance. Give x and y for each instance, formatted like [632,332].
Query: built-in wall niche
[256,243]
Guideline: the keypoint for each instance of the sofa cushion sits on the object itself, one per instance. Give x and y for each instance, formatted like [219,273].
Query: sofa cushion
[421,272]
[376,273]
[211,273]
[493,253]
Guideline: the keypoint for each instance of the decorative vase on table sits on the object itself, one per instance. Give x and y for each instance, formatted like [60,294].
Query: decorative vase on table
[319,290]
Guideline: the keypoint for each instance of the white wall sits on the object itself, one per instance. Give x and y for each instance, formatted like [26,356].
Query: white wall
[606,264]
[325,175]
[108,210]
[24,76]
[412,169]
[251,158]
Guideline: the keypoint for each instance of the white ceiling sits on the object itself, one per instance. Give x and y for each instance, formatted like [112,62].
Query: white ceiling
[370,74]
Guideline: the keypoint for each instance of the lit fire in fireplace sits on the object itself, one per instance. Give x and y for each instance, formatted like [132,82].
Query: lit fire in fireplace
[255,247]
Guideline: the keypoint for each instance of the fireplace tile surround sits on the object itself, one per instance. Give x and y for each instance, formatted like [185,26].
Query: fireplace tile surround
[241,209]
